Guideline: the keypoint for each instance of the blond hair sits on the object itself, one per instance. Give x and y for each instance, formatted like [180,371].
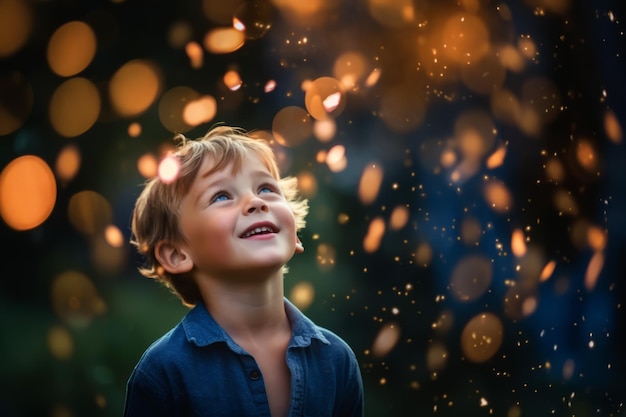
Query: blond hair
[156,214]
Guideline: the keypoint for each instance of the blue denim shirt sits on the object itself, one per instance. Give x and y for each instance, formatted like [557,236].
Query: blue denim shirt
[196,369]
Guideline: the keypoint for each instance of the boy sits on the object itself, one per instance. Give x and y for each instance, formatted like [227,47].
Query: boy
[219,237]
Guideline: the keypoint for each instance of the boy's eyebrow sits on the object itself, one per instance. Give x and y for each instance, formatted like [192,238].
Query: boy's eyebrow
[221,177]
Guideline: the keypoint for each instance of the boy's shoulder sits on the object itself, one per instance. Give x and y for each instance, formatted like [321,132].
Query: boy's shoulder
[166,348]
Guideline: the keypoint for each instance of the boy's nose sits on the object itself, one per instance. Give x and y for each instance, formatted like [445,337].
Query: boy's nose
[254,204]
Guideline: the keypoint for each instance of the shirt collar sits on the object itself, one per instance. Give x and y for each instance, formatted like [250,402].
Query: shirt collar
[202,330]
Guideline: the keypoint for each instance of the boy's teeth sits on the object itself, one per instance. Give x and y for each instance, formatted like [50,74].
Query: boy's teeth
[257,230]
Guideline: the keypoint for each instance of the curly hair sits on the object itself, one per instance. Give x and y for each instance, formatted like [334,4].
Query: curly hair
[156,214]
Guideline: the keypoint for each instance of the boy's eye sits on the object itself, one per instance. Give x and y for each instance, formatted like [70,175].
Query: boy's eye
[267,188]
[220,196]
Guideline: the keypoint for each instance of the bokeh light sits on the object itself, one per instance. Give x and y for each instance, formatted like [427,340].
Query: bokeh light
[16,21]
[292,126]
[28,192]
[223,40]
[482,337]
[89,212]
[134,87]
[254,18]
[75,299]
[74,107]
[71,48]
[68,163]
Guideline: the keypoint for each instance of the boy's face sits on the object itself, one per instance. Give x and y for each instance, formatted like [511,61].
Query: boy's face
[237,223]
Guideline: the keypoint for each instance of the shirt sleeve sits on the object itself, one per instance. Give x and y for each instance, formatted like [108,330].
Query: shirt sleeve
[145,398]
[353,397]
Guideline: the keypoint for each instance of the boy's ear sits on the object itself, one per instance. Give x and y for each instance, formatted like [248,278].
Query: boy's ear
[172,258]
[299,246]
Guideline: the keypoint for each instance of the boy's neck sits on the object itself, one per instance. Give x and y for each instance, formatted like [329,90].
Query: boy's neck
[246,310]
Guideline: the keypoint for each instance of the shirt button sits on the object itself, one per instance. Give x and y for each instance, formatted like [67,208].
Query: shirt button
[254,375]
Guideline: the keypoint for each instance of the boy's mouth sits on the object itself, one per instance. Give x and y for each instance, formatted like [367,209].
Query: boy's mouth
[259,229]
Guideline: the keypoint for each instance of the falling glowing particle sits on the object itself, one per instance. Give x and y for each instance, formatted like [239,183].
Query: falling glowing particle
[324,98]
[587,156]
[596,238]
[612,127]
[518,244]
[68,163]
[369,185]
[483,402]
[527,47]
[325,130]
[148,166]
[269,86]
[593,270]
[238,24]
[385,340]
[529,305]
[331,102]
[336,158]
[496,159]
[448,158]
[195,54]
[399,218]
[498,196]
[134,129]
[343,218]
[169,169]
[113,236]
[568,369]
[223,40]
[424,254]
[232,80]
[302,294]
[374,235]
[307,183]
[325,256]
[373,78]
[547,271]
[200,111]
